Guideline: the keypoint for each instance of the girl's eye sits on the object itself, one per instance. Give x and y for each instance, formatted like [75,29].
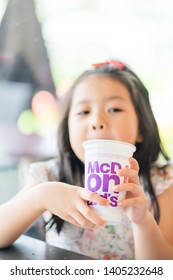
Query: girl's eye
[114,110]
[85,112]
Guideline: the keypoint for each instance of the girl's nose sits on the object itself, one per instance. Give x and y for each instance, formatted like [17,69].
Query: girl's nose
[97,126]
[98,123]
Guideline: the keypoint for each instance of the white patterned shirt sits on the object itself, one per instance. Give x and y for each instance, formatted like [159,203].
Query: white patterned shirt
[113,241]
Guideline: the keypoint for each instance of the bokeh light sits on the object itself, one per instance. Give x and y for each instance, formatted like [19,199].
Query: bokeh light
[27,122]
[43,117]
[44,105]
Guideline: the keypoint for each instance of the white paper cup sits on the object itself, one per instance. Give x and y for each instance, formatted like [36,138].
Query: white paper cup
[102,159]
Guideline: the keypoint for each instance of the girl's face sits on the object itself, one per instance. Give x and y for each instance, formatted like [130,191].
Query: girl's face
[101,109]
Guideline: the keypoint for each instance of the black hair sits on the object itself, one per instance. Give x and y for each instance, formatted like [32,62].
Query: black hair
[71,169]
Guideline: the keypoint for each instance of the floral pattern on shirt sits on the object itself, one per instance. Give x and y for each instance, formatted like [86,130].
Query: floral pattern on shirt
[110,242]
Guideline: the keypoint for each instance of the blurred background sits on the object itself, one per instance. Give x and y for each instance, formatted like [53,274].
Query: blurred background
[45,44]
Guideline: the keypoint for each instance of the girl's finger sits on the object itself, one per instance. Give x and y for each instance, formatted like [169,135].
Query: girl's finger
[73,221]
[130,187]
[93,197]
[89,214]
[133,202]
[130,174]
[80,220]
[134,164]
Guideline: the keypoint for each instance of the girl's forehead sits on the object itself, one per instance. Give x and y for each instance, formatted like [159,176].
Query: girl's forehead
[101,86]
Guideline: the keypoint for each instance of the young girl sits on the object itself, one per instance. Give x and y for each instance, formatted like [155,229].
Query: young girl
[106,102]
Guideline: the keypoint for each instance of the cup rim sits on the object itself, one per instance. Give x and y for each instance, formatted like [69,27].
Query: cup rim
[107,140]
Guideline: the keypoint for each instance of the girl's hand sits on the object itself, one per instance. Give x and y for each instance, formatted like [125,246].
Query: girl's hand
[70,203]
[135,203]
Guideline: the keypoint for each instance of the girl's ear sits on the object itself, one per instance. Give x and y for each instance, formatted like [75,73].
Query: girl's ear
[139,138]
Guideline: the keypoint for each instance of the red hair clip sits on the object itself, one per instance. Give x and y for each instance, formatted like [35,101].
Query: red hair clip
[117,64]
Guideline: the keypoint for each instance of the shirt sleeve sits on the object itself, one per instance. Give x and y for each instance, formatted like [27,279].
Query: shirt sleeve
[162,179]
[38,172]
